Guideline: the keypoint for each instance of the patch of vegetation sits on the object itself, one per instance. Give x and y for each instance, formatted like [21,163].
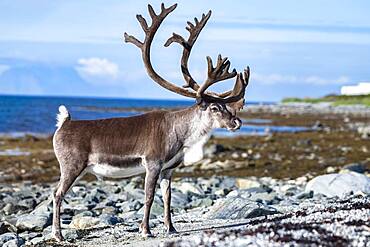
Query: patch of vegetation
[334,99]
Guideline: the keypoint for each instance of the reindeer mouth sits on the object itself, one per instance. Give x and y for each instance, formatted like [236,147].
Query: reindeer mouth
[237,125]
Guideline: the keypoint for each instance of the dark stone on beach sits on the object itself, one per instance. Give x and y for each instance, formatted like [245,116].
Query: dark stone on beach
[355,167]
[304,195]
[238,208]
[109,219]
[28,203]
[7,227]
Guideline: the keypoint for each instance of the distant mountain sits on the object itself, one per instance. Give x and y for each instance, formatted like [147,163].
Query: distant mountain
[43,79]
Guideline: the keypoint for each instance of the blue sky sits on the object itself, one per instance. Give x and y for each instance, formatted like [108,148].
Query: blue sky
[294,48]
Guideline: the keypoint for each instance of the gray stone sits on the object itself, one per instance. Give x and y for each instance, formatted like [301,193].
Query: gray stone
[37,240]
[202,202]
[155,210]
[304,195]
[14,243]
[7,227]
[29,236]
[10,239]
[28,203]
[178,200]
[137,194]
[109,219]
[238,208]
[186,187]
[267,198]
[84,222]
[355,167]
[129,206]
[9,209]
[337,184]
[33,222]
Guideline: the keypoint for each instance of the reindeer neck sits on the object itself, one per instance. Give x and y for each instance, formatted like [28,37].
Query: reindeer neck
[191,124]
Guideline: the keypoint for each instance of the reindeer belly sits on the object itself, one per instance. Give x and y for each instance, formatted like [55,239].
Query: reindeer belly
[115,166]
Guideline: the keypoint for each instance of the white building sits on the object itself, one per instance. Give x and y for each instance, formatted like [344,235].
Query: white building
[359,89]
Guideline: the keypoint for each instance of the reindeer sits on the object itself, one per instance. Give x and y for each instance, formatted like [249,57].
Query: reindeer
[154,143]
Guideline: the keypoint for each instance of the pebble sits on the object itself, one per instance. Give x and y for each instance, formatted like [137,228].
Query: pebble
[84,222]
[244,183]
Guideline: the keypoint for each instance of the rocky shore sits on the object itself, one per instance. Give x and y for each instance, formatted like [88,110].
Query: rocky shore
[330,210]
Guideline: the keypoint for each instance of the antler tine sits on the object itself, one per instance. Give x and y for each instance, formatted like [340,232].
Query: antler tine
[144,46]
[219,73]
[240,85]
[194,31]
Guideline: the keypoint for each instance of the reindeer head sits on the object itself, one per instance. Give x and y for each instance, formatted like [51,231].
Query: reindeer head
[220,107]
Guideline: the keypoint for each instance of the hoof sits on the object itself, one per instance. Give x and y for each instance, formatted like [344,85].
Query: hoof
[58,237]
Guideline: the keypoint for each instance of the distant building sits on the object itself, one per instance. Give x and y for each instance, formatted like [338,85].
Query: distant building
[359,89]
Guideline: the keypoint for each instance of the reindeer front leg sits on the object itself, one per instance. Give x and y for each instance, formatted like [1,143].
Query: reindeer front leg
[165,182]
[151,177]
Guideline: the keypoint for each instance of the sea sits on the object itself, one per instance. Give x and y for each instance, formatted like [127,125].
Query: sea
[36,115]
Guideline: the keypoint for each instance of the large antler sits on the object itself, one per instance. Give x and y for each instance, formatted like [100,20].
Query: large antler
[219,73]
[145,47]
[194,31]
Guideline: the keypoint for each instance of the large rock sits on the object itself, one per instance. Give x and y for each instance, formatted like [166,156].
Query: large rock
[33,222]
[238,208]
[339,185]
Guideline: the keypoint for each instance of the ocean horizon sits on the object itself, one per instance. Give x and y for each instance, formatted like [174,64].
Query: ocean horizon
[26,114]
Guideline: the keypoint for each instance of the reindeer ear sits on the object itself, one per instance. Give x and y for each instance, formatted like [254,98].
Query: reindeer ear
[236,106]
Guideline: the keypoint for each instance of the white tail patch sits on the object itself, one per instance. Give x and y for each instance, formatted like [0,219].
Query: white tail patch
[62,116]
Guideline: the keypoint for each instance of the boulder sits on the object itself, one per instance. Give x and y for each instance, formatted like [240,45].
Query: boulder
[33,222]
[238,208]
[338,184]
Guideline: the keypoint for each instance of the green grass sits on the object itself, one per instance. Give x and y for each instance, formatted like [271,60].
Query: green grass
[335,99]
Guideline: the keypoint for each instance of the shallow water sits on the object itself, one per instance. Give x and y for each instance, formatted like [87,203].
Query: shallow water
[260,130]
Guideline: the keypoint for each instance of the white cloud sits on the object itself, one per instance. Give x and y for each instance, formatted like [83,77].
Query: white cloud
[3,68]
[97,67]
[292,79]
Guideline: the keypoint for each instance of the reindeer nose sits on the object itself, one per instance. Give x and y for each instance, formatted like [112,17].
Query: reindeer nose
[237,122]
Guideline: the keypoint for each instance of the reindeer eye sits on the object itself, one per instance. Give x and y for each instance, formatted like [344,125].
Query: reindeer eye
[214,109]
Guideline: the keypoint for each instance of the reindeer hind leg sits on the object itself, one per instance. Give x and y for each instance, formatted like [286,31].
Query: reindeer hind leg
[67,178]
